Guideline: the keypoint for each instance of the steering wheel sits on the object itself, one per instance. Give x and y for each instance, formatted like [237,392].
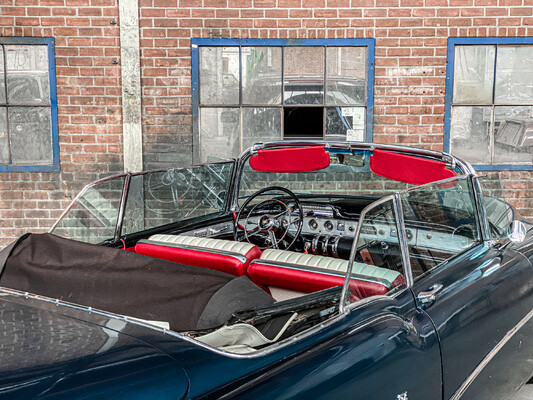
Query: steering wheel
[274,217]
[465,232]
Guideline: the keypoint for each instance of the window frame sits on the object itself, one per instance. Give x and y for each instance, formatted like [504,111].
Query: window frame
[50,43]
[218,42]
[450,69]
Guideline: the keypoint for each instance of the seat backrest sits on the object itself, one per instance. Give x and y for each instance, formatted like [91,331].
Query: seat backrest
[309,273]
[221,255]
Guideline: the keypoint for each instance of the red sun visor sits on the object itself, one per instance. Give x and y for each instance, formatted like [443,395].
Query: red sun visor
[292,159]
[408,169]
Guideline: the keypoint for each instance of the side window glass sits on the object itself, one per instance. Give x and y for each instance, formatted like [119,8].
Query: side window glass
[163,197]
[440,222]
[378,266]
[93,217]
[498,213]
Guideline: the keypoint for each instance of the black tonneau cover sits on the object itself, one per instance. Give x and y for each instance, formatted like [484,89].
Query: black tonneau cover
[121,282]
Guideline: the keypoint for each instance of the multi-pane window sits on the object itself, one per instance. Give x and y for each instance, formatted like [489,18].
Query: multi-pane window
[27,105]
[491,116]
[252,92]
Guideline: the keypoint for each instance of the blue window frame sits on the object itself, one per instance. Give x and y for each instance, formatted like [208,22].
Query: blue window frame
[489,102]
[252,90]
[28,105]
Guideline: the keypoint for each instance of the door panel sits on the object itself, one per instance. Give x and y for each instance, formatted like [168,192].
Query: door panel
[475,293]
[474,310]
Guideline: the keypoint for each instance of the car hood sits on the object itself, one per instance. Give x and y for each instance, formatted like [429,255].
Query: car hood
[50,351]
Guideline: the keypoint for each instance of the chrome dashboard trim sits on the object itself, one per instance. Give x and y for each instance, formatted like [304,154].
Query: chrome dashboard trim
[324,245]
[334,248]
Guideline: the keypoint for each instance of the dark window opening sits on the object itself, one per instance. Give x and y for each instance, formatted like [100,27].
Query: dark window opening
[303,122]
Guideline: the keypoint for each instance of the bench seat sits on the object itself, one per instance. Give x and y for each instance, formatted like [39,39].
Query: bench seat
[310,273]
[221,255]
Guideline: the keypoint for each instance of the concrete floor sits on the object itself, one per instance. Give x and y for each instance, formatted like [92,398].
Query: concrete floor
[526,393]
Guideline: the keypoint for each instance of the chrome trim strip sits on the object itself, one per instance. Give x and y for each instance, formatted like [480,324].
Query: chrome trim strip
[402,239]
[483,224]
[481,366]
[238,256]
[122,209]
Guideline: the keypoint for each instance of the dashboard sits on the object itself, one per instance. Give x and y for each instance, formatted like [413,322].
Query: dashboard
[326,228]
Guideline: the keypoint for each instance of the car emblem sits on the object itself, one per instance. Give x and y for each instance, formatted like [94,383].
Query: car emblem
[402,396]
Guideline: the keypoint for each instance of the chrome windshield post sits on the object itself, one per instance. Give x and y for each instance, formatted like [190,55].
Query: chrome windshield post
[402,238]
[122,209]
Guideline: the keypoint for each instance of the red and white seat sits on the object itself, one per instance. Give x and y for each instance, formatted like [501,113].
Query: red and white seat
[221,255]
[310,273]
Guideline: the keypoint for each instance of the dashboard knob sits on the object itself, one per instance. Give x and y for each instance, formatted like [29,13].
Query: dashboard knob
[328,225]
[313,224]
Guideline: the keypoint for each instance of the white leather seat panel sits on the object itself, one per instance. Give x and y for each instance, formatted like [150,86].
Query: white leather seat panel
[205,243]
[327,263]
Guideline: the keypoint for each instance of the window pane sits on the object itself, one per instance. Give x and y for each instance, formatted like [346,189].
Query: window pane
[474,74]
[2,77]
[173,195]
[27,75]
[513,134]
[346,75]
[30,135]
[93,218]
[514,74]
[219,75]
[440,222]
[261,75]
[470,130]
[378,250]
[303,122]
[303,71]
[345,123]
[260,125]
[219,133]
[4,138]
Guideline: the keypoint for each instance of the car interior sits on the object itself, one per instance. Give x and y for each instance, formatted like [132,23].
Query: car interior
[297,218]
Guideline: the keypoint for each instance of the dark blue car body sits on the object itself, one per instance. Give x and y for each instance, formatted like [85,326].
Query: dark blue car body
[472,340]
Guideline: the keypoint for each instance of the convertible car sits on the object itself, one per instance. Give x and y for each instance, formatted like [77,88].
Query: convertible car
[300,270]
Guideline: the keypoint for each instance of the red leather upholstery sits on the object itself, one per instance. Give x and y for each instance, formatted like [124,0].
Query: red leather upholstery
[231,263]
[312,280]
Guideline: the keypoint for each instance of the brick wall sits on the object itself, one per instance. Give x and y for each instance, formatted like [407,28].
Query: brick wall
[410,70]
[89,107]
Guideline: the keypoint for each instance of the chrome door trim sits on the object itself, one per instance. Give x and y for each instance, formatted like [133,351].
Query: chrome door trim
[481,366]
